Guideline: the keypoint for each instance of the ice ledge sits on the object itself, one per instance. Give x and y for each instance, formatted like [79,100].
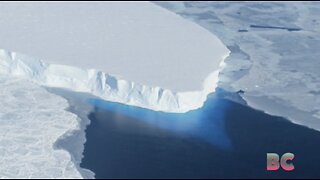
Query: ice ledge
[106,86]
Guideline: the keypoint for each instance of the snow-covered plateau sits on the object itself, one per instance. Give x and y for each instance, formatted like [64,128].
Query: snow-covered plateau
[136,53]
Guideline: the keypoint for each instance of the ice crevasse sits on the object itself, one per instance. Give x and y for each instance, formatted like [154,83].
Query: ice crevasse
[133,53]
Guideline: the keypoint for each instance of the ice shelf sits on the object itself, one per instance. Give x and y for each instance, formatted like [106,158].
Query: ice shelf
[135,53]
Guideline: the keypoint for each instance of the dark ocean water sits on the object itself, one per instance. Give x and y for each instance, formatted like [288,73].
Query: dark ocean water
[223,139]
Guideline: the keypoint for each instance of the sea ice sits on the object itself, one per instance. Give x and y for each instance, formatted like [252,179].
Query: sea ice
[274,55]
[31,122]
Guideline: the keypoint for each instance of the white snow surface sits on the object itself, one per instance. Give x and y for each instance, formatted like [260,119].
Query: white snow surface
[157,59]
[31,122]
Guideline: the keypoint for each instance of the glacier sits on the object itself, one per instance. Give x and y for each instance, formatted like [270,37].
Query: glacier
[136,53]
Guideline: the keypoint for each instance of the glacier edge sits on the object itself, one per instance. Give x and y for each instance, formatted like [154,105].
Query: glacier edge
[106,86]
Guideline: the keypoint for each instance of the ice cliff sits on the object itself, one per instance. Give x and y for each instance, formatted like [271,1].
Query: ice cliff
[104,85]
